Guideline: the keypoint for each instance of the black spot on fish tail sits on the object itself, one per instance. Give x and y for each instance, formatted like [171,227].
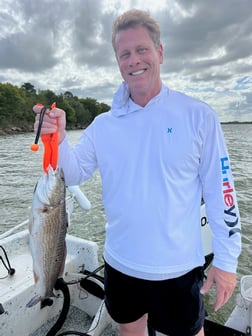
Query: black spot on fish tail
[46,302]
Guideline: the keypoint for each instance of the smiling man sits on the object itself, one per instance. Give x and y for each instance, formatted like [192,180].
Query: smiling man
[158,152]
[139,61]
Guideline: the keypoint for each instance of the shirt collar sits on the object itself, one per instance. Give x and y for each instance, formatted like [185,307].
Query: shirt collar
[122,104]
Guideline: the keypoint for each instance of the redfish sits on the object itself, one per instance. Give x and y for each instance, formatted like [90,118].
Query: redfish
[47,228]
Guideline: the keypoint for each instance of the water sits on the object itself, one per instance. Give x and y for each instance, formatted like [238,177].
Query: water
[20,169]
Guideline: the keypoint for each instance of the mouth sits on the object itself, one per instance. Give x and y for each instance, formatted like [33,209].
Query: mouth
[137,73]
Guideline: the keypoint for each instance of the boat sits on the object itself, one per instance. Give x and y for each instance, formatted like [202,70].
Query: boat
[78,306]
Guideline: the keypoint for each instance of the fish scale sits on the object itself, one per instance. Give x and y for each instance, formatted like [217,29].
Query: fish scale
[48,227]
[53,257]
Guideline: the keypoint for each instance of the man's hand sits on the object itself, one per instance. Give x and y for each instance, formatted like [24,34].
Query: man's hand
[54,119]
[224,282]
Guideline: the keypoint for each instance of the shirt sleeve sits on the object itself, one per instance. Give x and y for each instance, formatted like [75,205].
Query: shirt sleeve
[220,197]
[79,162]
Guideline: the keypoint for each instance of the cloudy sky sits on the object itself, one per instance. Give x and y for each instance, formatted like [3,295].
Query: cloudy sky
[64,45]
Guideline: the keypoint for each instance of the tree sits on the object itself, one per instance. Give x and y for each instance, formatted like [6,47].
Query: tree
[92,106]
[104,107]
[16,106]
[29,88]
[68,95]
[65,105]
[12,104]
[47,97]
[83,117]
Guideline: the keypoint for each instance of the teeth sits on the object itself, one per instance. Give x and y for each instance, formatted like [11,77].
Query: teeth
[137,73]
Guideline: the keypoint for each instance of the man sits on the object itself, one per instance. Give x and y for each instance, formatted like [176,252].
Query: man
[158,151]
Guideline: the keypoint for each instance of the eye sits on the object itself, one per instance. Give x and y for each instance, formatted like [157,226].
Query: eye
[141,50]
[124,55]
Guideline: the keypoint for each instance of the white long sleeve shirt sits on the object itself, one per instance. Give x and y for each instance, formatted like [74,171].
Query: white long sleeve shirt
[156,162]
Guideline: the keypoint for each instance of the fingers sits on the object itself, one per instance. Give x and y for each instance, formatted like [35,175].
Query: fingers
[225,286]
[60,117]
[49,124]
[54,113]
[208,283]
[206,287]
[222,297]
[37,108]
[224,282]
[224,291]
[53,120]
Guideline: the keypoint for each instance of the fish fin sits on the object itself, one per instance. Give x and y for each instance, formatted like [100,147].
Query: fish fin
[36,299]
[62,268]
[36,277]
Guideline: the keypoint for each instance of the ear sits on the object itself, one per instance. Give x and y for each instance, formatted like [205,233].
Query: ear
[161,53]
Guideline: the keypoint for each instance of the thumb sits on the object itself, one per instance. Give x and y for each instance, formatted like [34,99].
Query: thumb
[60,115]
[206,287]
[207,284]
[57,113]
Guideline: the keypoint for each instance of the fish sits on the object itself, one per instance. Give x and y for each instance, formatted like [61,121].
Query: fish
[47,234]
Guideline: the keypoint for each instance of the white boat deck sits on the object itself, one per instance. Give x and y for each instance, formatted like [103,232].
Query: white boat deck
[83,316]
[22,263]
[17,289]
[76,320]
[21,260]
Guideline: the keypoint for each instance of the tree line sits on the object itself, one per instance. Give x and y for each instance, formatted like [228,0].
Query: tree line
[16,106]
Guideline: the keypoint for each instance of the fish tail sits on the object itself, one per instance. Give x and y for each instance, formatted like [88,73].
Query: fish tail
[36,299]
[43,301]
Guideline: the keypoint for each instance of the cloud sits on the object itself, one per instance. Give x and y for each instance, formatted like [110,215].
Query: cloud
[65,45]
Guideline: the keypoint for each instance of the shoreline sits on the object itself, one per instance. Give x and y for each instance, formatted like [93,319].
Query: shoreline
[15,130]
[20,130]
[26,129]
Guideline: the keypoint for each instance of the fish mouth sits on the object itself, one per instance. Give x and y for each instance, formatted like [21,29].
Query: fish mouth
[49,185]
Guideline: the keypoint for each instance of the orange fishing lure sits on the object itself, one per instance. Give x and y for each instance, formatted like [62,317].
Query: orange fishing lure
[50,142]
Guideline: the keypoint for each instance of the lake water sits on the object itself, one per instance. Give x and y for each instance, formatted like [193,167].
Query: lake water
[20,169]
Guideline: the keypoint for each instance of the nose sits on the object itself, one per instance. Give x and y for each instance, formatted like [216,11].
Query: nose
[134,59]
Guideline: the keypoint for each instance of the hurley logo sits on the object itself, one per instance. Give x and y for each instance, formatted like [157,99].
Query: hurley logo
[231,218]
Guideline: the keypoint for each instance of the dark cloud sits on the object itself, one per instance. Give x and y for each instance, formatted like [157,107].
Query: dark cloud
[23,53]
[32,35]
[91,37]
[95,91]
[207,44]
[218,32]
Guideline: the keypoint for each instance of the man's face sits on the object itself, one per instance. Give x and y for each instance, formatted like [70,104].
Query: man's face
[139,61]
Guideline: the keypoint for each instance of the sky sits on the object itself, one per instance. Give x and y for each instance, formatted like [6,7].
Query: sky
[65,45]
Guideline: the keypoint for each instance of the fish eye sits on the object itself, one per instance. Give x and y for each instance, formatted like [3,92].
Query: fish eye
[45,209]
